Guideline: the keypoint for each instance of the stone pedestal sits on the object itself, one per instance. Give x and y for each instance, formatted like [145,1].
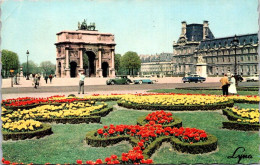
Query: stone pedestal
[112,72]
[99,72]
[67,72]
[202,69]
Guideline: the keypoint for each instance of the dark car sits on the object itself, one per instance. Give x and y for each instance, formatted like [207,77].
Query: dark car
[193,78]
[119,80]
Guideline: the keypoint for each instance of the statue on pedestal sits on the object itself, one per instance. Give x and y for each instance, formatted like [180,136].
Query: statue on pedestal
[84,26]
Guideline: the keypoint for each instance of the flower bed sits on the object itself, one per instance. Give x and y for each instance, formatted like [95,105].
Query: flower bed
[245,99]
[43,131]
[175,102]
[26,123]
[31,102]
[242,119]
[147,138]
[159,117]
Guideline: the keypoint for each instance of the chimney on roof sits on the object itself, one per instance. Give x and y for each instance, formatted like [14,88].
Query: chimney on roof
[183,30]
[205,29]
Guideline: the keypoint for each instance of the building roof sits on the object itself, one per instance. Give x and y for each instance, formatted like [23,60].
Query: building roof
[228,41]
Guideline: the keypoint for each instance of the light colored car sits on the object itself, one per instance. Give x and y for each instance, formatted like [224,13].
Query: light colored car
[254,77]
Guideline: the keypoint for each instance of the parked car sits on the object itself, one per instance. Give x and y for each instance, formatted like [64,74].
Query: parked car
[119,80]
[193,78]
[254,77]
[144,81]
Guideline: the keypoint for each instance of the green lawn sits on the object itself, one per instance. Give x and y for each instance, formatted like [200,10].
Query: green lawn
[213,92]
[66,144]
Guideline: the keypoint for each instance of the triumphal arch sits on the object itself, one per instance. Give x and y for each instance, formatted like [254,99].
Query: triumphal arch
[87,50]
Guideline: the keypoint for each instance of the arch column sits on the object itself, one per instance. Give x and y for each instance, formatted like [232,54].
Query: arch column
[112,68]
[80,54]
[99,69]
[67,69]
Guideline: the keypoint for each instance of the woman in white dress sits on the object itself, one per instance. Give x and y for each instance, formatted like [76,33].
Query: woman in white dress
[232,88]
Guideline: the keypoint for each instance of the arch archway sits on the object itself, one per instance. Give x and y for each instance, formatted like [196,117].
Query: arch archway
[73,67]
[91,63]
[105,69]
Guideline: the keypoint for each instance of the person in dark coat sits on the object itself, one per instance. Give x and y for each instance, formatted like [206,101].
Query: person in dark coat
[50,77]
[46,78]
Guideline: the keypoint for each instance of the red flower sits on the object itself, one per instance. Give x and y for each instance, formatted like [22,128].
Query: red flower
[203,135]
[79,161]
[108,159]
[113,156]
[125,159]
[140,144]
[149,161]
[89,162]
[99,161]
[100,131]
[116,162]
[105,126]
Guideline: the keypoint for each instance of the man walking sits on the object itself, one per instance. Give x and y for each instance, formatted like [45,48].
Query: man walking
[81,82]
[224,84]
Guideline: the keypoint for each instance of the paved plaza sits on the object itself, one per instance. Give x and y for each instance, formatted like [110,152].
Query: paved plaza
[66,86]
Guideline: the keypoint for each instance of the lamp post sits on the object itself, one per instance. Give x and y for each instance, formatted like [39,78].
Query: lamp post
[235,42]
[27,71]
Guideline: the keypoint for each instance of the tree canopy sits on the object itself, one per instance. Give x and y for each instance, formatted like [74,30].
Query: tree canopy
[117,62]
[47,67]
[10,60]
[131,61]
[32,67]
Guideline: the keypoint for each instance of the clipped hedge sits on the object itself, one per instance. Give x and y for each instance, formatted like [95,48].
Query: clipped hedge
[177,122]
[241,126]
[234,124]
[217,106]
[72,120]
[195,148]
[46,130]
[102,112]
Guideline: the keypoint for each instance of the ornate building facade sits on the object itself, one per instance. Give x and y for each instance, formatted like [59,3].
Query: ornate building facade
[159,64]
[197,45]
[98,48]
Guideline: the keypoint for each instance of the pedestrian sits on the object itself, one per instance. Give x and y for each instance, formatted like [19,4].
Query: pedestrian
[15,79]
[50,77]
[46,78]
[35,80]
[224,84]
[81,81]
[232,88]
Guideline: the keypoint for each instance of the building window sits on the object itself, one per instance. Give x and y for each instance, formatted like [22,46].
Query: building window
[223,59]
[242,59]
[256,58]
[228,59]
[248,57]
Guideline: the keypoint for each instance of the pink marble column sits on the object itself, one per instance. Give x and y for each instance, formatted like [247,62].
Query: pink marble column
[67,58]
[113,58]
[80,59]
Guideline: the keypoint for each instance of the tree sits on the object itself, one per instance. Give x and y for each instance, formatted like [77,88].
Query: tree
[32,68]
[117,62]
[9,60]
[47,67]
[131,61]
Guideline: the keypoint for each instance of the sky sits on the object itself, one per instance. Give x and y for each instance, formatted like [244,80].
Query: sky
[142,26]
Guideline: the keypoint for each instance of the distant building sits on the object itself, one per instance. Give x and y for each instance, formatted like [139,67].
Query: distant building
[198,42]
[157,65]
